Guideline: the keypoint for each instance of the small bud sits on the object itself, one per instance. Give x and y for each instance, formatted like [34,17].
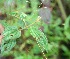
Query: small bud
[46,3]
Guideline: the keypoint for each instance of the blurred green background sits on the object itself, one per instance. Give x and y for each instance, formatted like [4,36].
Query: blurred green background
[57,32]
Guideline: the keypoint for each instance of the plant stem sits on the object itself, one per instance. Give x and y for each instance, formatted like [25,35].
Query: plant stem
[62,9]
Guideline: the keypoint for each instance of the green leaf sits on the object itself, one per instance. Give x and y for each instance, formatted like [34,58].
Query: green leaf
[20,24]
[40,38]
[4,23]
[67,27]
[6,47]
[11,33]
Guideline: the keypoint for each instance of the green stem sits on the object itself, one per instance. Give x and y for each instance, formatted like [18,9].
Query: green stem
[62,9]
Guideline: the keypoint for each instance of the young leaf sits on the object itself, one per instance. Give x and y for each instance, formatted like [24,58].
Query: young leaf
[40,38]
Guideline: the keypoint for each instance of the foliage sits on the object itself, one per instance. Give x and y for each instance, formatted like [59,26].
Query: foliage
[40,38]
[22,37]
[67,28]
